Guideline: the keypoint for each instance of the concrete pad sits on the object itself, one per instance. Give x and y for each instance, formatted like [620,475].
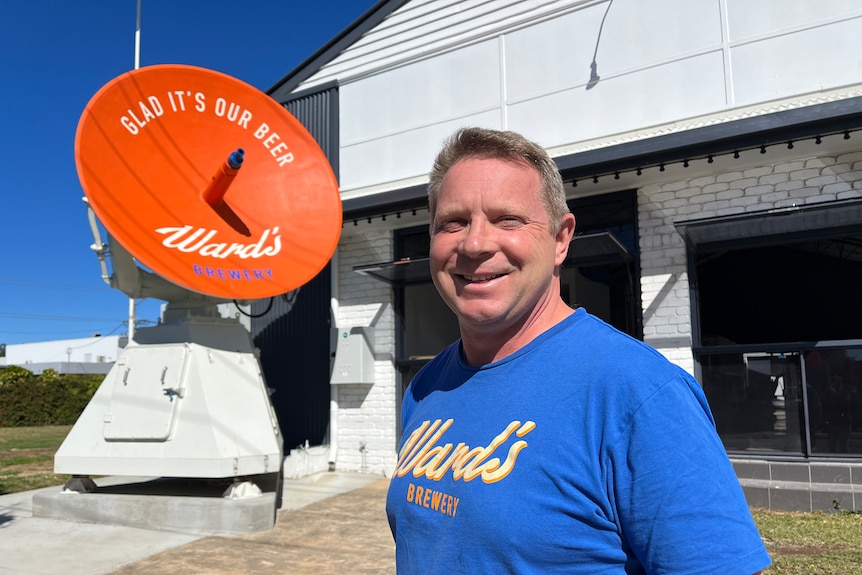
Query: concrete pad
[193,515]
[182,505]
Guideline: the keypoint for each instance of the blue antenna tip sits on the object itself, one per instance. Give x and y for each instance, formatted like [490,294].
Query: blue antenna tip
[235,159]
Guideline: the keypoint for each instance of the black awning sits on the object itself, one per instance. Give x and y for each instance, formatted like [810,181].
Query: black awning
[773,227]
[602,248]
[400,273]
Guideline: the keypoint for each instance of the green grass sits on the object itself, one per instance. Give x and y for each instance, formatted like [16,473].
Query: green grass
[49,437]
[812,543]
[27,457]
[8,461]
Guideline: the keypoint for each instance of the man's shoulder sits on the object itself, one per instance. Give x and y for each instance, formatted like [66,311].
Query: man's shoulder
[593,337]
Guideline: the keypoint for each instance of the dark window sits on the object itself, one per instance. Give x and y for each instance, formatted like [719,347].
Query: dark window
[806,291]
[756,400]
[777,321]
[427,323]
[805,402]
[834,391]
[603,265]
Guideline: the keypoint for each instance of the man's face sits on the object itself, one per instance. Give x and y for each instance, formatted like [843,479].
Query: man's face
[493,254]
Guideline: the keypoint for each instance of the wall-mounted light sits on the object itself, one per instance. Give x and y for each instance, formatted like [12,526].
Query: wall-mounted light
[594,75]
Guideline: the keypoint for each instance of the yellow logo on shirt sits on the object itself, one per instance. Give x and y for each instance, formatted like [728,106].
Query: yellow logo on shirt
[435,500]
[425,455]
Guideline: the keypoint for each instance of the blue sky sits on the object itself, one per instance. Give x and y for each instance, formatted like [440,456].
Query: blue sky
[54,56]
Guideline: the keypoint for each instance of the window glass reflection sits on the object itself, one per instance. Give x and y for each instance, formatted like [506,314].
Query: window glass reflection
[835,400]
[761,401]
[756,399]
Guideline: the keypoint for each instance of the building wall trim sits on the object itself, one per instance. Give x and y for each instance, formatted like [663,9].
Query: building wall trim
[282,89]
[747,133]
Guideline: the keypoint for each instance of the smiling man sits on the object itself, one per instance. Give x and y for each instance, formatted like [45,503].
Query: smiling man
[543,440]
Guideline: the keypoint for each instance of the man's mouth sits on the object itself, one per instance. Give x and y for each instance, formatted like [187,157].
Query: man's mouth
[482,278]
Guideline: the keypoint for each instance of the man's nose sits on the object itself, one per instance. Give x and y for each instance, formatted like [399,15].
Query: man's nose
[478,238]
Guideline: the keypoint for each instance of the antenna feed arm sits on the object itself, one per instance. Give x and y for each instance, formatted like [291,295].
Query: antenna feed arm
[215,191]
[98,246]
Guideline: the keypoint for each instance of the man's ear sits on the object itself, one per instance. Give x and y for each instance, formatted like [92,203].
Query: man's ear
[564,238]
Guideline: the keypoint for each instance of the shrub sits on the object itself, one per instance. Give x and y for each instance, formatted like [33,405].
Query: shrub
[13,374]
[48,399]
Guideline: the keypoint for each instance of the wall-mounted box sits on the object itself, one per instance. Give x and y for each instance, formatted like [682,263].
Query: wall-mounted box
[354,356]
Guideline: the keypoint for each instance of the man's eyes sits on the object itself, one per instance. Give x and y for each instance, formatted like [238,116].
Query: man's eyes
[450,225]
[509,222]
[456,224]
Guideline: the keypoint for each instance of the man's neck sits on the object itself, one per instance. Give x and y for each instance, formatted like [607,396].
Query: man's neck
[483,347]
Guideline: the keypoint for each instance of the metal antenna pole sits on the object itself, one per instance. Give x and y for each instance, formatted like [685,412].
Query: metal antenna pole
[132,302]
[138,38]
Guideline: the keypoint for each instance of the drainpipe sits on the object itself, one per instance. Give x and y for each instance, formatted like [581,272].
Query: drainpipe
[333,389]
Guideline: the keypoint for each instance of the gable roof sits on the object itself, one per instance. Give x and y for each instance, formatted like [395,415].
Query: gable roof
[371,18]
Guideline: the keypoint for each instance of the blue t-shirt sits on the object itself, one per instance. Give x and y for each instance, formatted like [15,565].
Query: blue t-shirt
[585,451]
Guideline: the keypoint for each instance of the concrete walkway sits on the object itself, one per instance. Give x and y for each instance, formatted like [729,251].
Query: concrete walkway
[329,523]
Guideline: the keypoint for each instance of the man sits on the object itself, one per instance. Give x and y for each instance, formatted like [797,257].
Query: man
[544,441]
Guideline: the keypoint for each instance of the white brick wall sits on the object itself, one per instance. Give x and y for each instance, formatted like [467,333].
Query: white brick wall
[664,278]
[367,415]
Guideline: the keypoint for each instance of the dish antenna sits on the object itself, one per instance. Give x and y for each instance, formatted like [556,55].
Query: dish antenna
[210,192]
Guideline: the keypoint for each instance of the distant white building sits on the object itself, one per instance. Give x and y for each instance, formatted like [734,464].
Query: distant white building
[81,355]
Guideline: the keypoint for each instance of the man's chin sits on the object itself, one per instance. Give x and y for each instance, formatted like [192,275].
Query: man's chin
[480,320]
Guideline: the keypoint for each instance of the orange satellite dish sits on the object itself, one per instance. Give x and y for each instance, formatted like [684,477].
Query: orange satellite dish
[208,182]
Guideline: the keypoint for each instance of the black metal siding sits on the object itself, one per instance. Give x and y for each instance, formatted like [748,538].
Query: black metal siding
[318,112]
[293,331]
[293,338]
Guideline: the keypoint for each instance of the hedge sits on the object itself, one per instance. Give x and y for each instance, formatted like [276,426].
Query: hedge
[47,399]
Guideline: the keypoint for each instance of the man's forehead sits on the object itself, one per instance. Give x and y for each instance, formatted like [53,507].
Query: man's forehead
[453,200]
[480,170]
[487,160]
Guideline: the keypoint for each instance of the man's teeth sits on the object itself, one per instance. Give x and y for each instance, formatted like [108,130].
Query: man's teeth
[480,278]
